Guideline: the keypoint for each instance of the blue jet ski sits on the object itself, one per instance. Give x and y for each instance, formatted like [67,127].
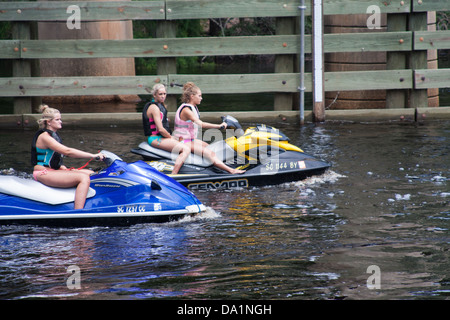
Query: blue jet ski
[121,194]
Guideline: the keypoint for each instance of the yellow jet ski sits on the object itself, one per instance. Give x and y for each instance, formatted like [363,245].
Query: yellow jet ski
[263,151]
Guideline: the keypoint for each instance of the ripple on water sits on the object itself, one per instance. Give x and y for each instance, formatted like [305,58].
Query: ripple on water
[310,239]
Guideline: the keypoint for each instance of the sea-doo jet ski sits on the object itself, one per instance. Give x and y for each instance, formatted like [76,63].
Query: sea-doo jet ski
[120,194]
[263,151]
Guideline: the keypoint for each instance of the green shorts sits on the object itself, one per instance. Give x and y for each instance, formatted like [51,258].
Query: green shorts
[153,138]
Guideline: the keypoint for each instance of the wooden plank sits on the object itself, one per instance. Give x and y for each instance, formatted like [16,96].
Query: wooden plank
[417,22]
[20,67]
[367,42]
[368,80]
[89,11]
[74,86]
[239,83]
[164,66]
[160,47]
[284,63]
[289,82]
[431,78]
[211,84]
[360,6]
[191,9]
[432,40]
[396,60]
[9,49]
[430,5]
[206,9]
[215,46]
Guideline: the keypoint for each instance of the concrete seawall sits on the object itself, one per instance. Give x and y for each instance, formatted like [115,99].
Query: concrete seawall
[106,120]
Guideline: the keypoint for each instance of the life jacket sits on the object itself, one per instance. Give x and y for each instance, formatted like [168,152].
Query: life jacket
[149,123]
[186,129]
[46,157]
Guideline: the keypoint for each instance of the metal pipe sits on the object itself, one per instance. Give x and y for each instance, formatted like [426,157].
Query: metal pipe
[302,8]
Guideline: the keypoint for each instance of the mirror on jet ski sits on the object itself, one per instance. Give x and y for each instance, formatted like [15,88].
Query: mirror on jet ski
[233,123]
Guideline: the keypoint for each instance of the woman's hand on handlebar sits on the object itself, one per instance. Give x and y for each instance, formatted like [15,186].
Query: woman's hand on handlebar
[100,156]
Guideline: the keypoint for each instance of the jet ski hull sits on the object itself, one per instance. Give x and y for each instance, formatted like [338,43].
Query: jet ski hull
[246,180]
[146,207]
[84,220]
[287,167]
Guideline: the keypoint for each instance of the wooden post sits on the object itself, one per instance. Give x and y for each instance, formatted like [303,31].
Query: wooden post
[318,72]
[284,63]
[21,68]
[166,66]
[432,57]
[396,60]
[418,98]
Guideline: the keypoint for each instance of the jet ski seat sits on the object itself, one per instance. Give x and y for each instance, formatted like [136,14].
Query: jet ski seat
[223,151]
[36,191]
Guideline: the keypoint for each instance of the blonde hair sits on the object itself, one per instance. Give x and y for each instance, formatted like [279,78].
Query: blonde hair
[47,115]
[189,89]
[157,87]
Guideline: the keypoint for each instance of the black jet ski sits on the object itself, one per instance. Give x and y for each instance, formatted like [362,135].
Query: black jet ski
[263,151]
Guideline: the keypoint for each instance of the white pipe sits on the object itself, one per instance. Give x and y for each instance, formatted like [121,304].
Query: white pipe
[302,8]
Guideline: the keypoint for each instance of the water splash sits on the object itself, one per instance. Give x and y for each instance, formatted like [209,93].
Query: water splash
[328,177]
[208,214]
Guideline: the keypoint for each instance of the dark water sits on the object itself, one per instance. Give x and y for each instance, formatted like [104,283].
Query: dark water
[385,203]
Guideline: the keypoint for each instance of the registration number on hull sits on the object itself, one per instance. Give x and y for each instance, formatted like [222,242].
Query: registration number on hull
[137,208]
[276,166]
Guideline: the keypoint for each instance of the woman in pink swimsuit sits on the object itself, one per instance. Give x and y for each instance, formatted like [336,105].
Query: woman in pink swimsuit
[187,123]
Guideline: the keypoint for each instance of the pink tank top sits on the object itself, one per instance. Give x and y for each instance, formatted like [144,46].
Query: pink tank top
[186,129]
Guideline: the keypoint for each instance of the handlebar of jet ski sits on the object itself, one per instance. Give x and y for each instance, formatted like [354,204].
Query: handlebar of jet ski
[109,157]
[231,122]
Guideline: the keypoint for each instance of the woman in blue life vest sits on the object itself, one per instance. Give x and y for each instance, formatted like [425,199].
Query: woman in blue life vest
[187,124]
[156,127]
[47,152]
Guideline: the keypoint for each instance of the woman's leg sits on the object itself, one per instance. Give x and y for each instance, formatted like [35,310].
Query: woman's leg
[201,148]
[180,149]
[68,179]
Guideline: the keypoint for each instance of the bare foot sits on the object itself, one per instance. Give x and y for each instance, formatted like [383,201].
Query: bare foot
[236,171]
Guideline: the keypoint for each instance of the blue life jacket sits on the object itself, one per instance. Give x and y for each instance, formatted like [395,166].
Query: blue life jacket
[46,157]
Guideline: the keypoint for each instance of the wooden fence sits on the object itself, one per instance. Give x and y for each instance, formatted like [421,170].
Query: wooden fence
[407,35]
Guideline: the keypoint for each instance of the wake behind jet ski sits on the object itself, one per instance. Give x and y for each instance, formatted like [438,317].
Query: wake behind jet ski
[121,194]
[263,151]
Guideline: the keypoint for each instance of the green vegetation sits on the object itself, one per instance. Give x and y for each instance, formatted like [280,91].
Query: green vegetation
[443,20]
